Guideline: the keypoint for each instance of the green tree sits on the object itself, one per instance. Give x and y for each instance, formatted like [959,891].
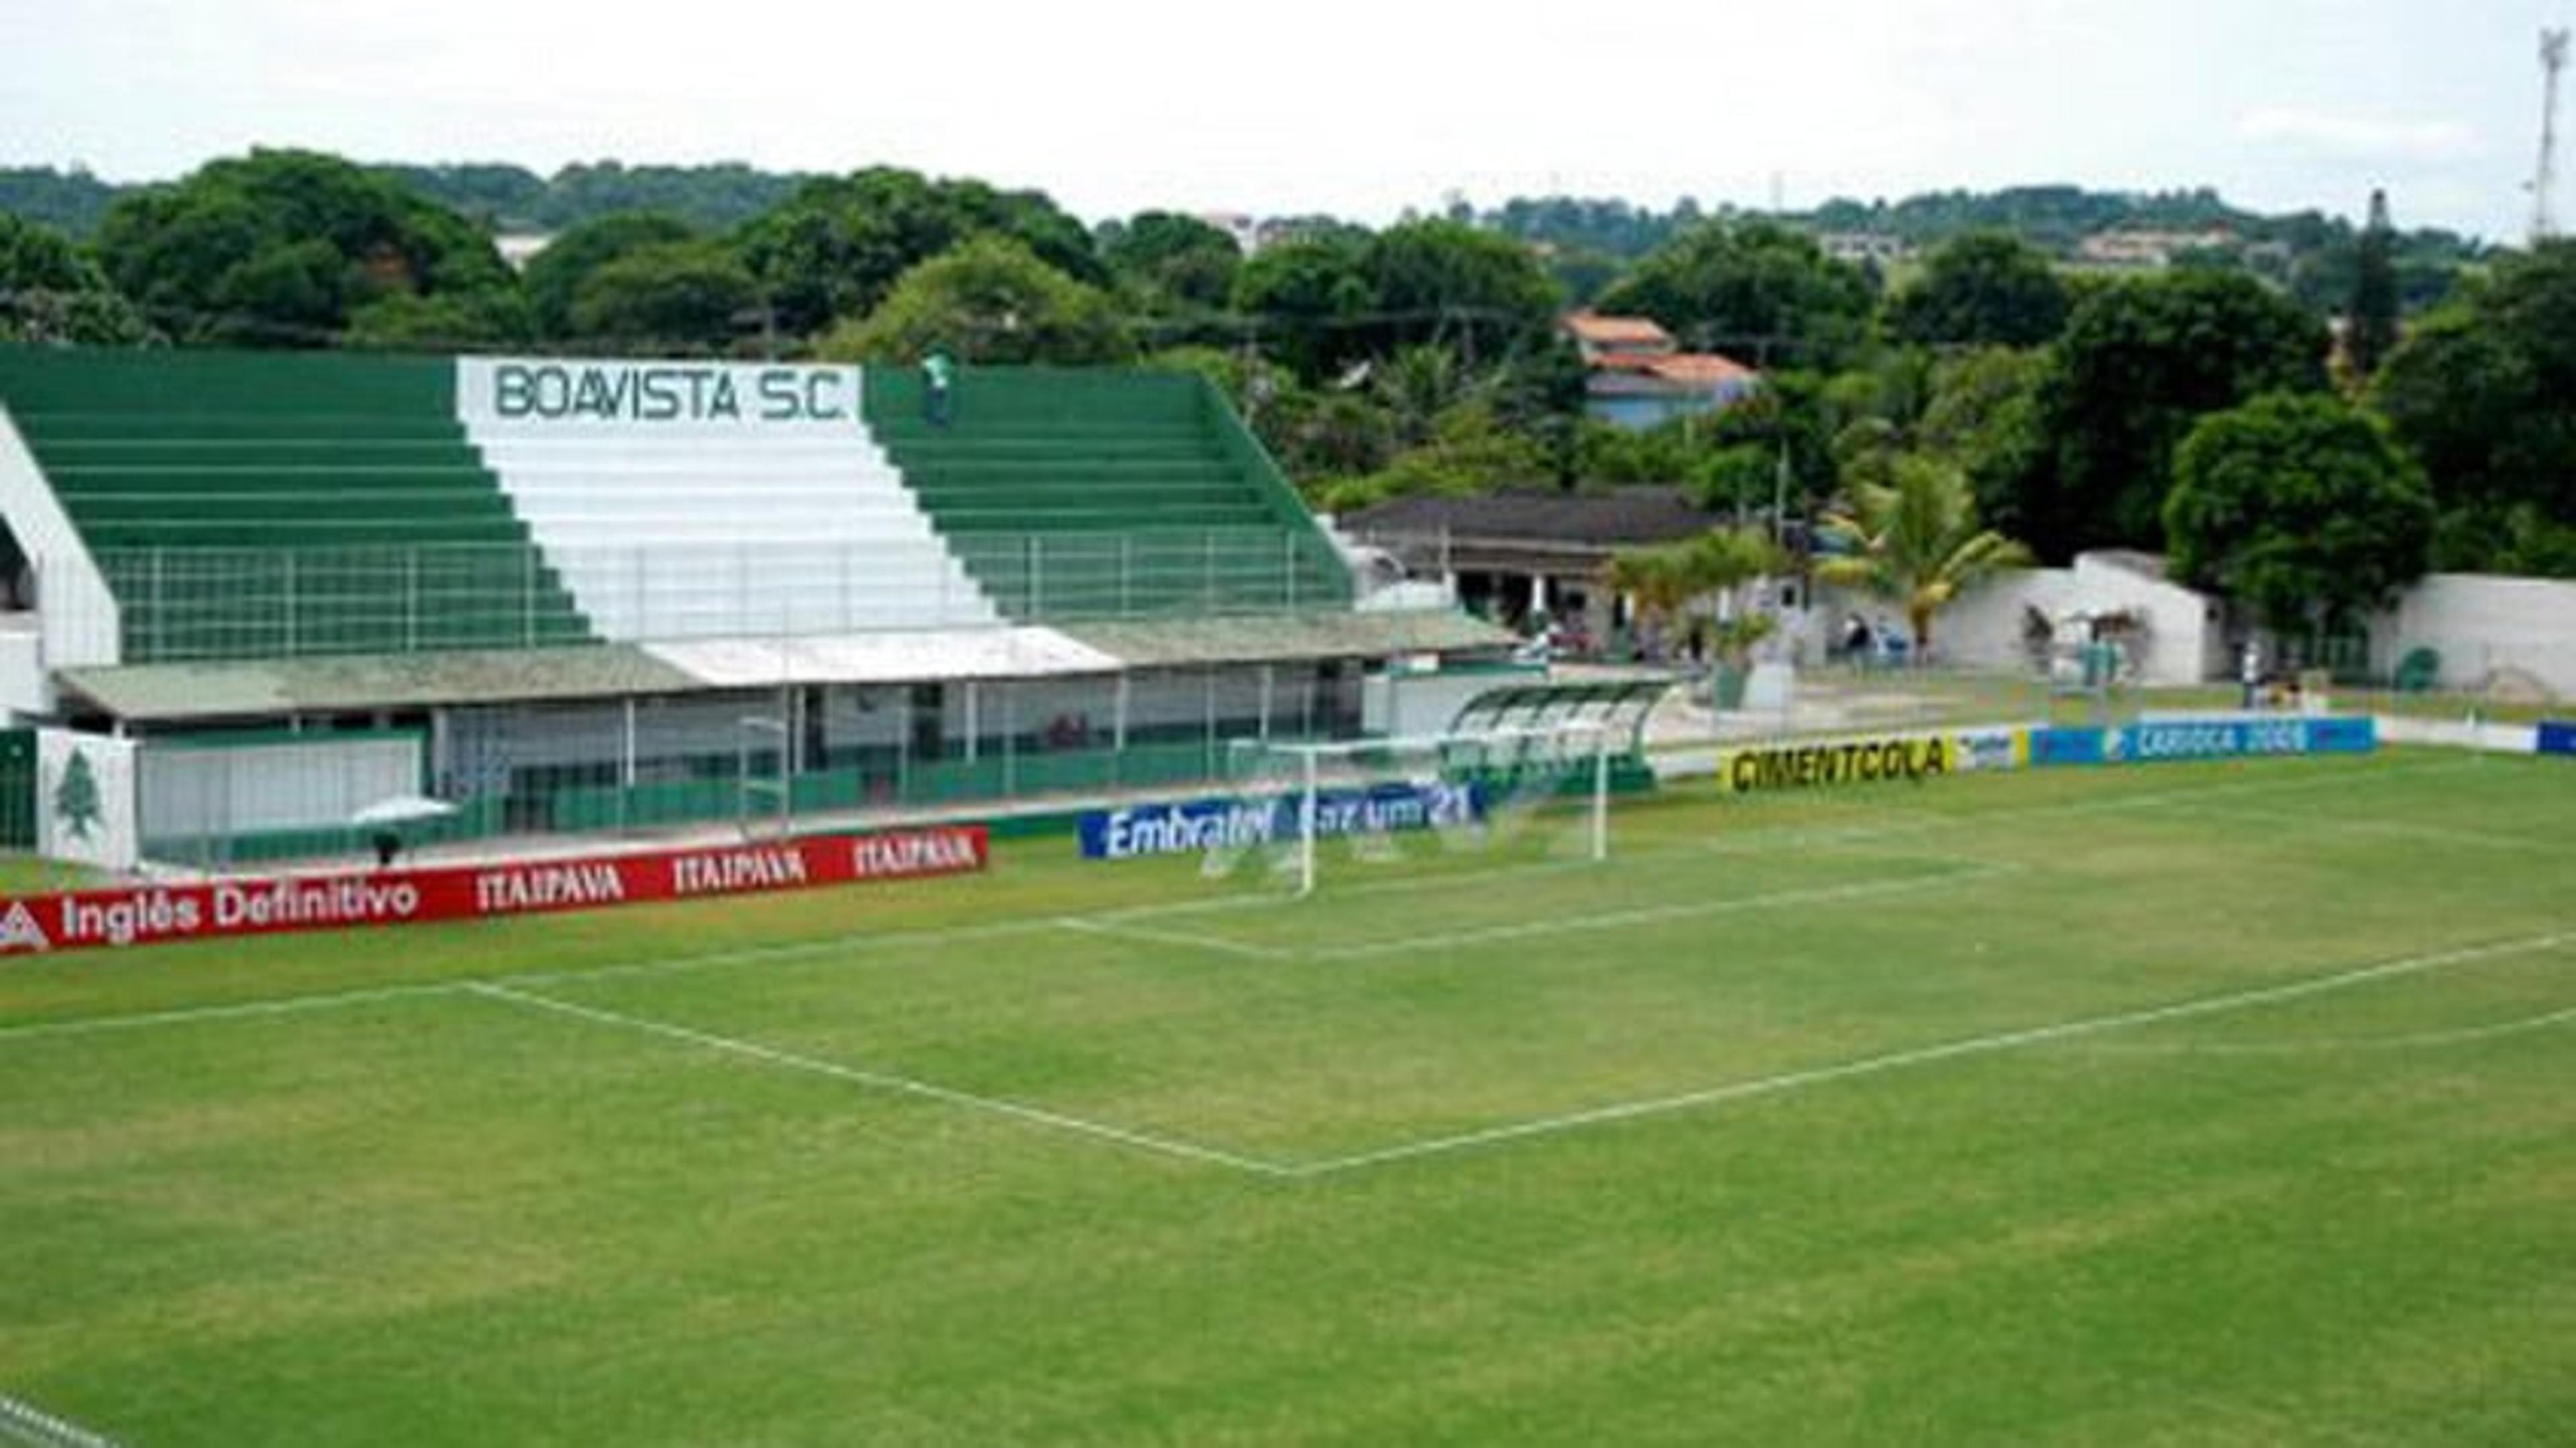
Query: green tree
[1915,541]
[70,201]
[49,292]
[989,300]
[2142,361]
[834,250]
[2484,393]
[1984,415]
[2300,507]
[1307,303]
[555,275]
[1665,580]
[1468,451]
[407,321]
[1418,384]
[2371,319]
[677,296]
[1175,262]
[283,247]
[1446,284]
[1983,289]
[1753,290]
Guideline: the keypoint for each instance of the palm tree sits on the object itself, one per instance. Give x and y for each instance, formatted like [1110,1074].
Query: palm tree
[1665,578]
[1915,541]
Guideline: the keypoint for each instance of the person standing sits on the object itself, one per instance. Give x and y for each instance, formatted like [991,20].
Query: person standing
[2249,672]
[938,374]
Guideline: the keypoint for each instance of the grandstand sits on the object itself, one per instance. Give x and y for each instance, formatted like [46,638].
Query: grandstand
[608,593]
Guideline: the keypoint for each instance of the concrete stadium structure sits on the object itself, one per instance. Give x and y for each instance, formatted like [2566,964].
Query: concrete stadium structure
[583,594]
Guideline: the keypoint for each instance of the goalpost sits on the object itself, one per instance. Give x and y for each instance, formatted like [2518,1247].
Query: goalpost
[1481,792]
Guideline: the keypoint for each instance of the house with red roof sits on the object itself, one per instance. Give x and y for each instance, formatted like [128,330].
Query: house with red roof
[1637,376]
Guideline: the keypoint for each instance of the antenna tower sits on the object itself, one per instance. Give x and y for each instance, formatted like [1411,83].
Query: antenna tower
[2553,59]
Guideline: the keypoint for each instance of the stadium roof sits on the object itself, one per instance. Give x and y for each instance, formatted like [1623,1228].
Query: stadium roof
[145,693]
[174,692]
[1176,642]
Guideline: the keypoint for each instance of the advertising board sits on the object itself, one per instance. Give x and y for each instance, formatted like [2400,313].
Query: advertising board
[150,913]
[1239,822]
[2164,740]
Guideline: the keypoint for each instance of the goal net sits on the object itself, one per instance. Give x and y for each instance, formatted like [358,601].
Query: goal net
[1306,811]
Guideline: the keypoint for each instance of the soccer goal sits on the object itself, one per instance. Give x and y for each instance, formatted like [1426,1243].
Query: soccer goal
[1542,790]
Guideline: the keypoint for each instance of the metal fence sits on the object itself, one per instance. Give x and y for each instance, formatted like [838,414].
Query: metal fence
[2504,682]
[176,604]
[760,759]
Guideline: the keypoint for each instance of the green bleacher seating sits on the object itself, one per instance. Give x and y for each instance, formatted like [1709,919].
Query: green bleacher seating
[267,504]
[1098,494]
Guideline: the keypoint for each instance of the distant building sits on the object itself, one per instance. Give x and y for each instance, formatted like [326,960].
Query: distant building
[1865,246]
[1508,556]
[2147,250]
[1253,233]
[1637,376]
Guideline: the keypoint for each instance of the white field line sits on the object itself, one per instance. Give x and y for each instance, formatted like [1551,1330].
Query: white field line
[1927,1055]
[1753,839]
[1120,929]
[749,955]
[273,1006]
[2413,1040]
[1653,914]
[24,1422]
[1034,1115]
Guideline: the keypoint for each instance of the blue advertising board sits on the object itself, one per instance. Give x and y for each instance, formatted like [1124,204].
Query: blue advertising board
[2557,738]
[2180,739]
[2067,746]
[1237,822]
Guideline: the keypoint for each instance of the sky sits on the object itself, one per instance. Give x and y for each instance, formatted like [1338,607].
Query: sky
[1348,107]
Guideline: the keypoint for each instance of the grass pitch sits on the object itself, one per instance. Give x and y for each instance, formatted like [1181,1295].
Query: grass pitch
[2194,1103]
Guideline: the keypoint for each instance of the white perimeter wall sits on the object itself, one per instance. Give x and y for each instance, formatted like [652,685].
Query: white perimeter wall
[2482,624]
[1982,628]
[79,624]
[288,785]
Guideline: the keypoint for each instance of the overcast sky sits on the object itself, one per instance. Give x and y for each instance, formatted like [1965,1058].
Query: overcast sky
[1356,107]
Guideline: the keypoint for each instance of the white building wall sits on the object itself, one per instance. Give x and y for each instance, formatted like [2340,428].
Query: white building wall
[79,620]
[2482,625]
[1982,627]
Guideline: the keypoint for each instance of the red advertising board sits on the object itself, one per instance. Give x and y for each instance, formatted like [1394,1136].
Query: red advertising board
[148,914]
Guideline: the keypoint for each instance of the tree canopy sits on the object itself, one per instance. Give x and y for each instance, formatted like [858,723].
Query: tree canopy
[833,250]
[2300,507]
[989,299]
[50,292]
[555,276]
[1753,290]
[290,248]
[1985,289]
[2141,361]
[671,296]
[1174,262]
[2484,392]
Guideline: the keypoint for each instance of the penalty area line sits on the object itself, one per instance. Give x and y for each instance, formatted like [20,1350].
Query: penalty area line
[882,1081]
[1655,914]
[2001,1041]
[1117,929]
